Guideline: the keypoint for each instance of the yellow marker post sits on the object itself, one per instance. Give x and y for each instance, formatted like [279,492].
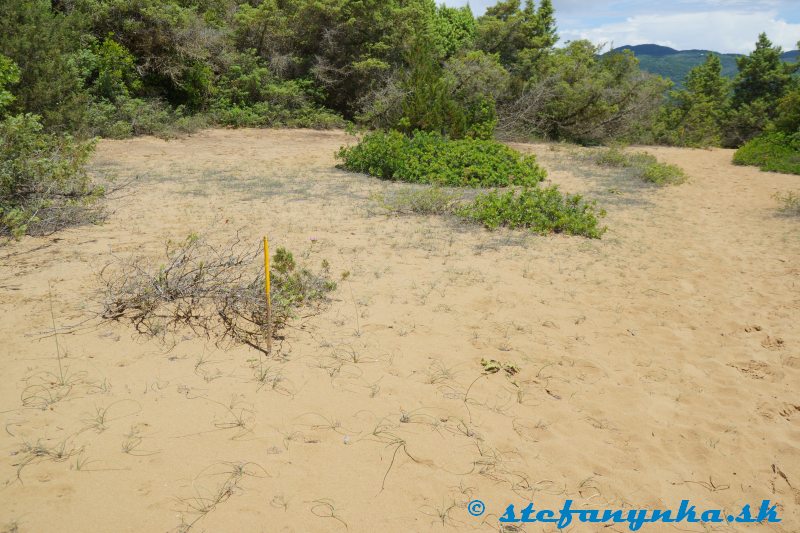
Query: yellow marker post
[267,274]
[267,287]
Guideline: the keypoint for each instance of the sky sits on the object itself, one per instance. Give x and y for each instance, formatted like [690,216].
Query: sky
[728,26]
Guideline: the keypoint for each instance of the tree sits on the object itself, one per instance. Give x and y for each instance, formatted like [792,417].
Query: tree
[346,47]
[583,96]
[454,29]
[43,44]
[428,105]
[520,36]
[762,82]
[762,75]
[694,116]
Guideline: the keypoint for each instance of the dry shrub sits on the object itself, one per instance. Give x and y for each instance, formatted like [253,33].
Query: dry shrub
[217,292]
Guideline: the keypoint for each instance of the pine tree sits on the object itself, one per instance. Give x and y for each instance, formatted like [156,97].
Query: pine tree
[547,30]
[697,112]
[520,35]
[427,105]
[762,75]
[706,81]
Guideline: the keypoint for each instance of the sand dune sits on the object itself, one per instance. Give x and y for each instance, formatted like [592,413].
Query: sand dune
[658,364]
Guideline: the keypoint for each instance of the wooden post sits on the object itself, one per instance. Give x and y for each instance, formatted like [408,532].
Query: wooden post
[267,294]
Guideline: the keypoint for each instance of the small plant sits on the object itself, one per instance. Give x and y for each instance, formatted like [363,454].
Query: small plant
[645,166]
[216,292]
[432,158]
[541,210]
[773,152]
[493,366]
[790,202]
[214,486]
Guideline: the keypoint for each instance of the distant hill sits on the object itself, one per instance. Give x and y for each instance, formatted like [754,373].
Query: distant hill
[676,64]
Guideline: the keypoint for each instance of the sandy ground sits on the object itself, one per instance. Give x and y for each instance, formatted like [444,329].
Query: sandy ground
[658,364]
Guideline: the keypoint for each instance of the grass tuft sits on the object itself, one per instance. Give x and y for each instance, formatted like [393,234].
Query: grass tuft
[790,203]
[645,166]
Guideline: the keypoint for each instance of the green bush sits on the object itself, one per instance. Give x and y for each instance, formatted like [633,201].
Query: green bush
[543,210]
[773,152]
[43,181]
[138,116]
[663,174]
[434,159]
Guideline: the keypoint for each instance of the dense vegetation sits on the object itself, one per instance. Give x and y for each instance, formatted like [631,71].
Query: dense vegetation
[775,152]
[541,210]
[431,158]
[713,110]
[117,68]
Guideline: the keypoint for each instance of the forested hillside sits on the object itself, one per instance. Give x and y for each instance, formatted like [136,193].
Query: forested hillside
[676,64]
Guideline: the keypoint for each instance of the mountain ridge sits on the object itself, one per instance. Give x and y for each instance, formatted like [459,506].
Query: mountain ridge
[676,64]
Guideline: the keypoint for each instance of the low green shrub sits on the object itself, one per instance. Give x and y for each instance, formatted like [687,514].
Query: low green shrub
[44,186]
[663,174]
[432,158]
[772,152]
[645,166]
[542,210]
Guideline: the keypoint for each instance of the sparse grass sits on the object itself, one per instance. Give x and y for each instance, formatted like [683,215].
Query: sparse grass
[425,201]
[207,498]
[45,388]
[326,508]
[101,418]
[644,166]
[132,441]
[790,203]
[31,453]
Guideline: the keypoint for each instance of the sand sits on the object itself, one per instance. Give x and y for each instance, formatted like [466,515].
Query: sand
[658,364]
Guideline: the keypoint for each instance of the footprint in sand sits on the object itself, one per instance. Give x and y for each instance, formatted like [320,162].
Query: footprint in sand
[757,370]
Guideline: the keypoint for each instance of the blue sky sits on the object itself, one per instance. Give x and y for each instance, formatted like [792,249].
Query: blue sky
[721,25]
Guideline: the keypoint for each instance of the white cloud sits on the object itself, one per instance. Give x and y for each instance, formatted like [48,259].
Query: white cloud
[722,31]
